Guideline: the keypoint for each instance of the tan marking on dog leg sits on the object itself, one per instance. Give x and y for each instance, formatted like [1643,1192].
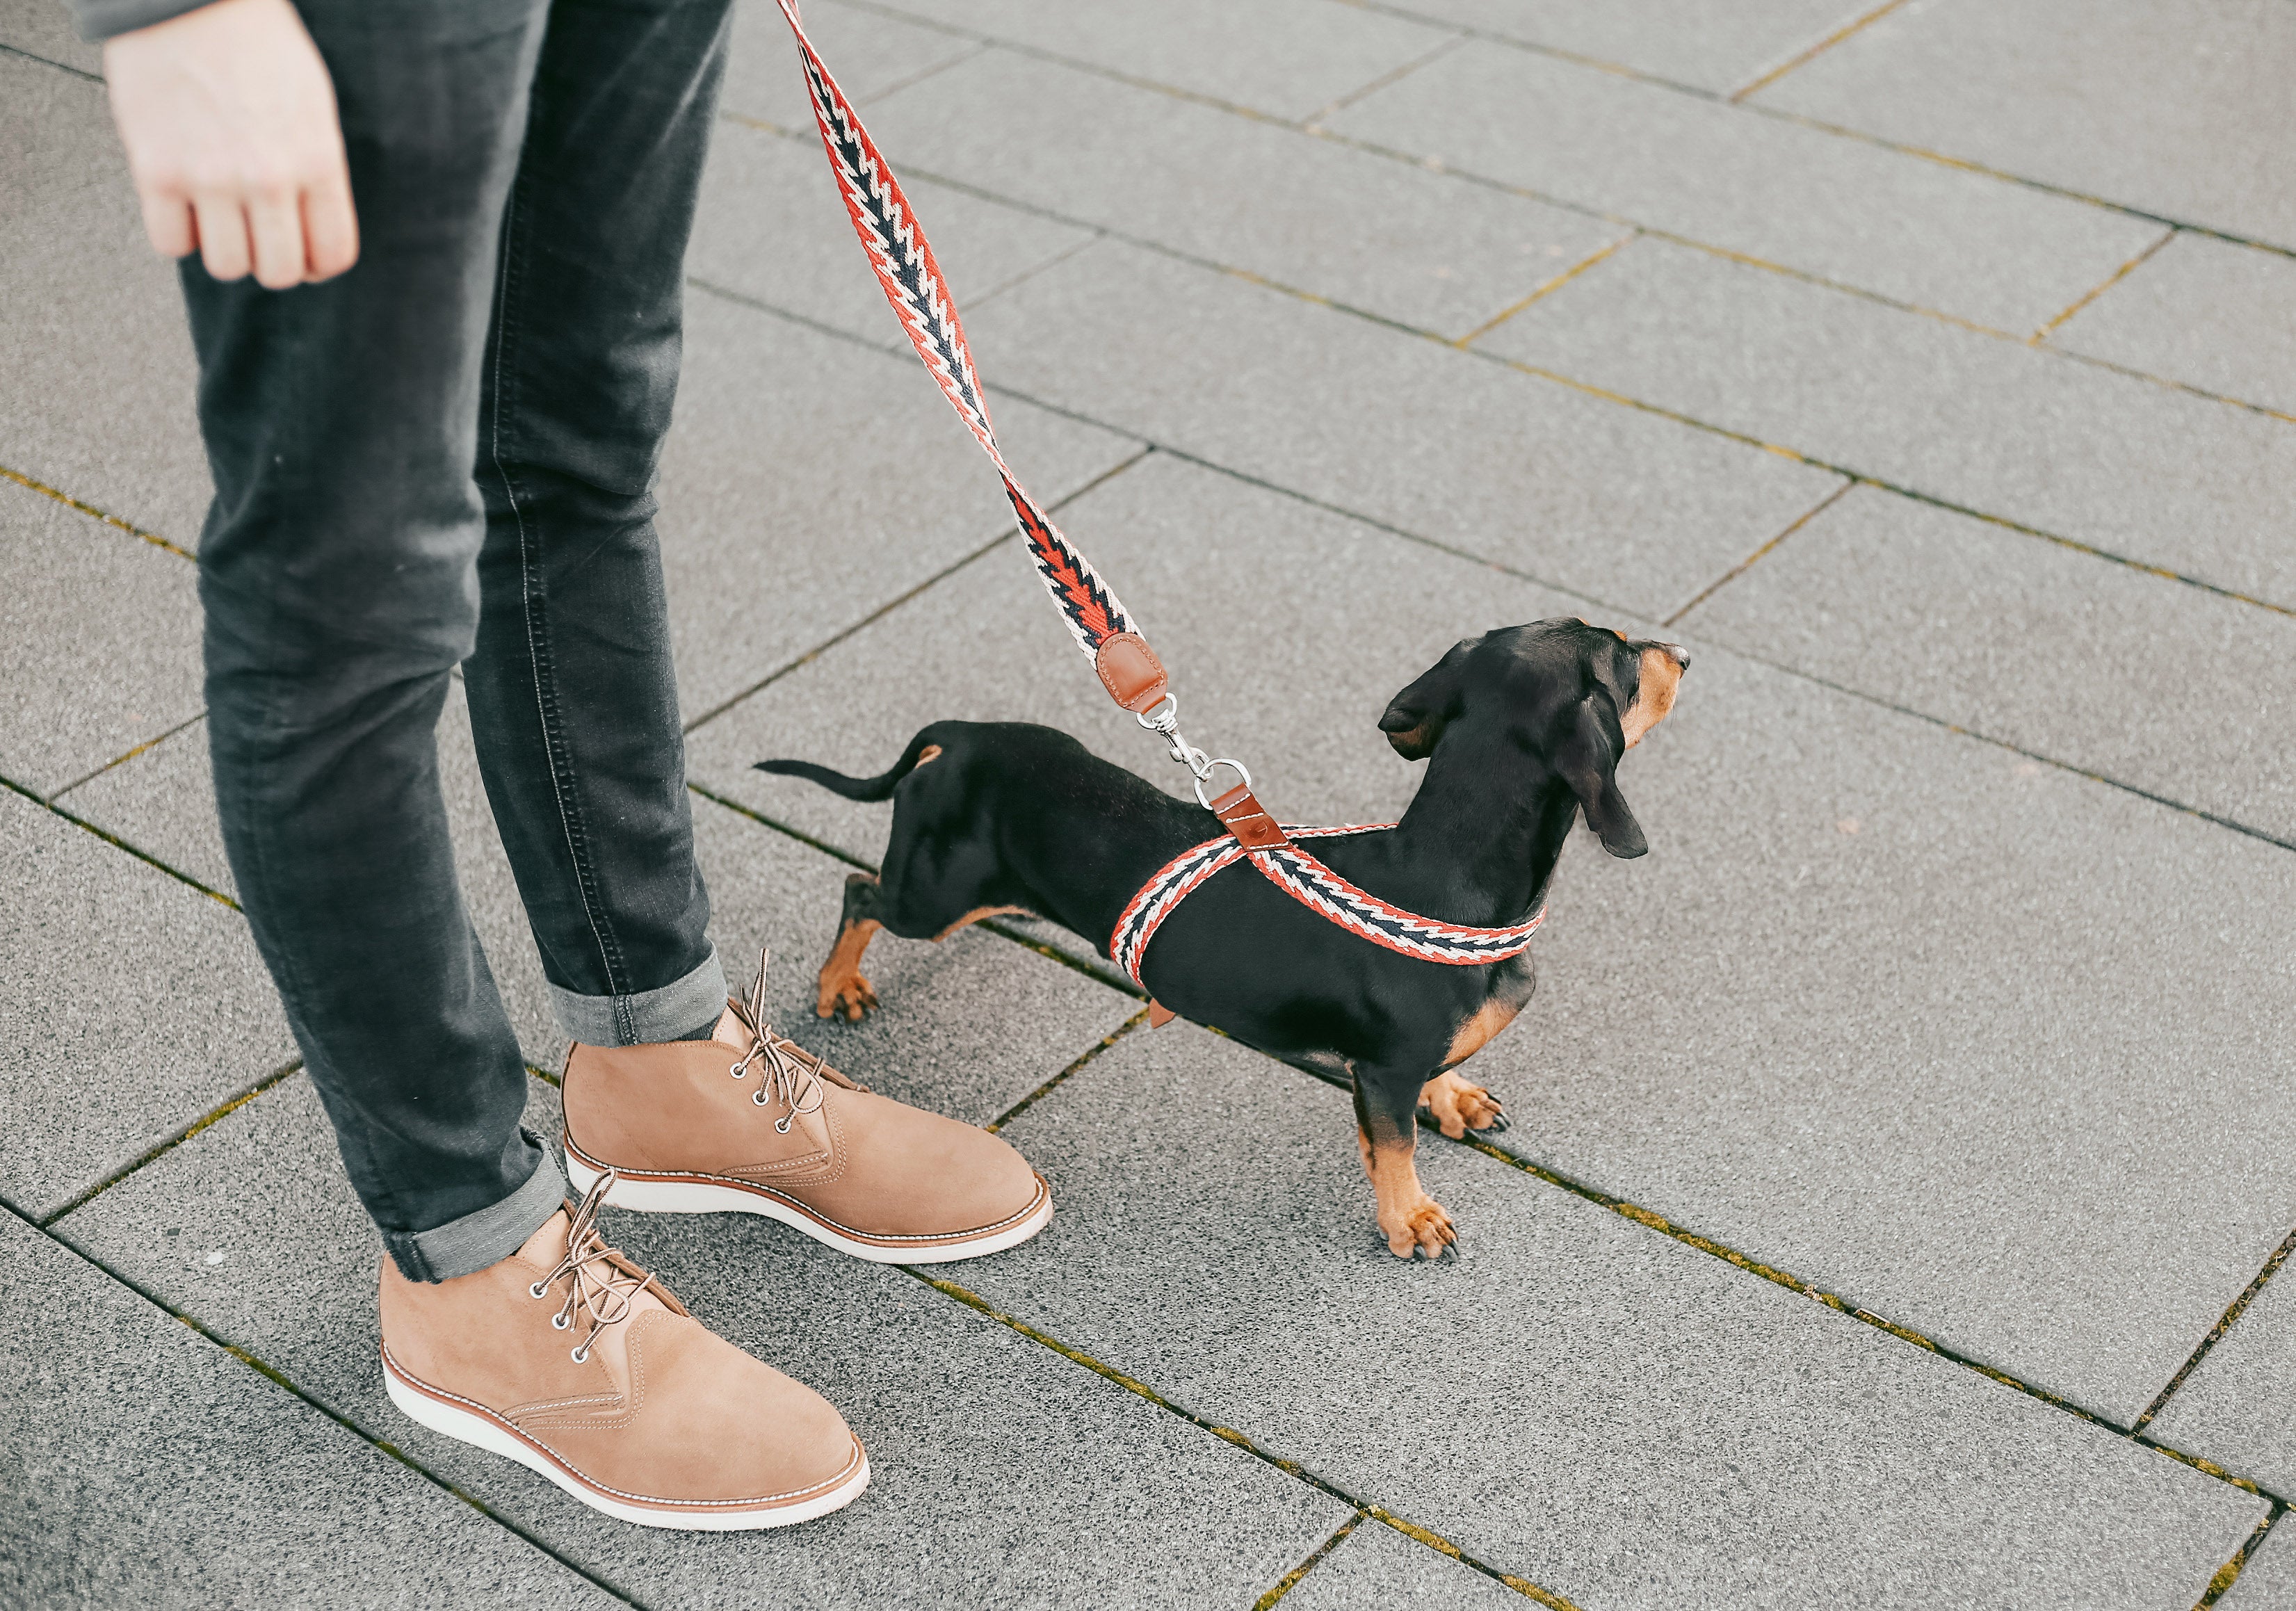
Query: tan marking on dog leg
[979,912]
[844,987]
[1412,1221]
[930,752]
[1458,1106]
[1476,1033]
[1654,697]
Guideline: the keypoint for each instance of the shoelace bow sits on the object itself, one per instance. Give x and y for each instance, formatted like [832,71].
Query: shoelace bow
[600,1282]
[785,1074]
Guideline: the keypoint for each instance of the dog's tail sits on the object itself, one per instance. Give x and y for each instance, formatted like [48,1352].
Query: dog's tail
[879,788]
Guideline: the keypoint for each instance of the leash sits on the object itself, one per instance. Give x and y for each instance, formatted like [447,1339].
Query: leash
[1128,669]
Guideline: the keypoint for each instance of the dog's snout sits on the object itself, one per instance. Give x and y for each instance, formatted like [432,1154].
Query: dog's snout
[1678,655]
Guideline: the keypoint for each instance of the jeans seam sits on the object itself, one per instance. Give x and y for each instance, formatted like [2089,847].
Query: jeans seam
[537,640]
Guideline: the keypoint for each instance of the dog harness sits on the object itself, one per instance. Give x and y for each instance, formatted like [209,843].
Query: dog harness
[911,279]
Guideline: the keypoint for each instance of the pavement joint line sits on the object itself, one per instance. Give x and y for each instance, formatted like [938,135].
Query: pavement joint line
[111,838]
[2229,1573]
[280,1379]
[1027,274]
[1815,51]
[68,502]
[2100,288]
[1554,283]
[148,744]
[1568,590]
[1289,1468]
[172,1142]
[2233,1311]
[1050,1085]
[1747,564]
[1291,1579]
[1394,75]
[61,67]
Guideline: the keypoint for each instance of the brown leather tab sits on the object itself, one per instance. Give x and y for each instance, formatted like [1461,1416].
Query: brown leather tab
[1130,672]
[1241,813]
[1159,1014]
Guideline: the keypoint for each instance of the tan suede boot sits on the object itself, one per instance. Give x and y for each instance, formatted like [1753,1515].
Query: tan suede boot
[750,1123]
[568,1359]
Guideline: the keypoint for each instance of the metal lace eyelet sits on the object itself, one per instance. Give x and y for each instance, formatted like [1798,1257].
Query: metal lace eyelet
[581,1355]
[739,1070]
[760,1097]
[781,1126]
[559,1322]
[537,1291]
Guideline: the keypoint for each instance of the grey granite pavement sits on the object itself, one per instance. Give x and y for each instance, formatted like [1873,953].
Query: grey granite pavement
[1895,1201]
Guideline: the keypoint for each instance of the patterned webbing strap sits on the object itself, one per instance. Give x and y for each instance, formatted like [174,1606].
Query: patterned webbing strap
[1316,887]
[912,282]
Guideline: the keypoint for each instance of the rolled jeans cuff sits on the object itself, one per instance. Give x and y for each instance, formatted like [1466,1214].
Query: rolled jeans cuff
[467,1245]
[675,1009]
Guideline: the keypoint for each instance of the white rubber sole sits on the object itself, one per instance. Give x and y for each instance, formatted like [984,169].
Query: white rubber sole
[479,1432]
[705,1197]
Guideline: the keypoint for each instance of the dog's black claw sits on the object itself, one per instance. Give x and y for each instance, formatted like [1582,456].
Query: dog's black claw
[1496,1124]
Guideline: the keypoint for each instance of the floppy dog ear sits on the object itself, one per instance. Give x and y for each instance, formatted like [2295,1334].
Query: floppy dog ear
[1414,718]
[1589,761]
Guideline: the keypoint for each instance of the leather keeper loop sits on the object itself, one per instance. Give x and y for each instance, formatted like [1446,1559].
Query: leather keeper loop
[1241,813]
[1130,672]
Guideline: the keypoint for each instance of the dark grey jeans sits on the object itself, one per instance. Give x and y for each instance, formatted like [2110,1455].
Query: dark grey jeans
[446,457]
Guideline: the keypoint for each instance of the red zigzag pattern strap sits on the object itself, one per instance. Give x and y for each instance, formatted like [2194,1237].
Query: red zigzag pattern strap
[911,279]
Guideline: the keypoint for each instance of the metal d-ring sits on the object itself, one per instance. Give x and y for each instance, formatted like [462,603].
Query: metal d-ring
[1235,767]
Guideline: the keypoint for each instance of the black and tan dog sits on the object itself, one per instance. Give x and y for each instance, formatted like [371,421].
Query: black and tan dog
[1523,729]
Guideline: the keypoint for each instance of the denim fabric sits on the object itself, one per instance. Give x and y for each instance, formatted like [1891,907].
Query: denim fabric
[446,457]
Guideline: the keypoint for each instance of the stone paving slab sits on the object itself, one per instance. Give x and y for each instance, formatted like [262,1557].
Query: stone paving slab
[1993,1050]
[148,1467]
[135,1005]
[2185,693]
[870,53]
[99,641]
[2240,1404]
[773,227]
[1002,1472]
[1579,1401]
[1431,250]
[1846,210]
[2140,470]
[1711,47]
[2269,1582]
[1261,664]
[1613,502]
[764,564]
[43,28]
[1852,1099]
[162,802]
[2177,108]
[1288,58]
[2205,312]
[1376,1568]
[96,376]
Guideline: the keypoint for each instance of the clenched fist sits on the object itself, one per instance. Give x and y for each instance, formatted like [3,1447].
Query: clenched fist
[229,119]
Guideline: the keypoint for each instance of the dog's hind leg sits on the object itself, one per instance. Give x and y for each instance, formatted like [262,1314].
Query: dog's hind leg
[844,987]
[1455,1106]
[1387,1131]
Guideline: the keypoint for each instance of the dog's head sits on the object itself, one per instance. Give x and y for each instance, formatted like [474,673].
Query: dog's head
[1575,697]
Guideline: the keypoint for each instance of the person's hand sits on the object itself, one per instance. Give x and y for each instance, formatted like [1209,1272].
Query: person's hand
[228,116]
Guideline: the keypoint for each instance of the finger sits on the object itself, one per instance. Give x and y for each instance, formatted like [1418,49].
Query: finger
[223,235]
[275,227]
[168,223]
[330,226]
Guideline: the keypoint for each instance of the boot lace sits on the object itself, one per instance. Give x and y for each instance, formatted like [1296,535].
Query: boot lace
[784,1074]
[600,1282]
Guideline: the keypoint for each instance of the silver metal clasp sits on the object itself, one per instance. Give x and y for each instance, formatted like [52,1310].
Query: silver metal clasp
[1204,777]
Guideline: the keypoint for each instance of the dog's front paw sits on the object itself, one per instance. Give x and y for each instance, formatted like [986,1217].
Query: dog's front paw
[1425,1229]
[848,997]
[1455,1107]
